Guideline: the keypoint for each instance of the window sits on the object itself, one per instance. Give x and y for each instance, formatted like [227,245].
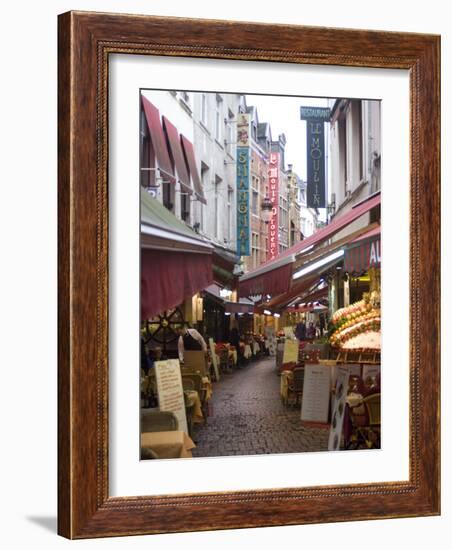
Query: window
[229,134]
[342,135]
[255,249]
[168,194]
[255,195]
[147,176]
[216,221]
[361,144]
[184,98]
[204,109]
[229,220]
[292,234]
[218,109]
[185,207]
[255,203]
[205,180]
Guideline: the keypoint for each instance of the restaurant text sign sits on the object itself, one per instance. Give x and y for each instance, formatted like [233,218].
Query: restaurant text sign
[316,393]
[315,138]
[318,113]
[273,186]
[171,391]
[315,164]
[243,185]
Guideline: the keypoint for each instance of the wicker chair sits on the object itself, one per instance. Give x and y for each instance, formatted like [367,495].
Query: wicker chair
[158,421]
[365,420]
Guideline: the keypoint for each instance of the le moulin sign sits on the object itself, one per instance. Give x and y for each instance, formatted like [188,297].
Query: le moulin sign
[315,138]
[243,184]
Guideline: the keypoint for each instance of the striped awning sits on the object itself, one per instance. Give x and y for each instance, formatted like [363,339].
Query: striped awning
[363,253]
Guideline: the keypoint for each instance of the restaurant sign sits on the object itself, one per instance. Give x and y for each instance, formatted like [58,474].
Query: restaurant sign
[315,164]
[273,225]
[170,390]
[243,185]
[317,113]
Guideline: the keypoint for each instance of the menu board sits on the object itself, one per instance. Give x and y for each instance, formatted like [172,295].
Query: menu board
[316,393]
[214,359]
[290,351]
[371,371]
[170,390]
[271,340]
[288,332]
[338,409]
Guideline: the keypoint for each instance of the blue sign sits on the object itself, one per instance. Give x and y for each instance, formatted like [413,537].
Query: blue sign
[243,201]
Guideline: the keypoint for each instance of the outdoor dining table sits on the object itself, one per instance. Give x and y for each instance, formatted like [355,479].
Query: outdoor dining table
[172,444]
[286,377]
[247,353]
[232,354]
[194,400]
[207,386]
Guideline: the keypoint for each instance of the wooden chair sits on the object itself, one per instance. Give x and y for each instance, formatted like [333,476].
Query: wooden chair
[158,421]
[187,382]
[296,383]
[199,387]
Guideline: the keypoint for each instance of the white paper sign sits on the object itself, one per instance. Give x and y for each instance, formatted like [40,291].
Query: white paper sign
[170,390]
[290,351]
[316,393]
[214,359]
[288,332]
[338,410]
[271,340]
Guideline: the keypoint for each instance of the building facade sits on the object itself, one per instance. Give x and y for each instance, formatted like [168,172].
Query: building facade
[355,153]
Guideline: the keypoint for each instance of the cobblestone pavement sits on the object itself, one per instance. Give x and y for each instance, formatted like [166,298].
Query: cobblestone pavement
[247,417]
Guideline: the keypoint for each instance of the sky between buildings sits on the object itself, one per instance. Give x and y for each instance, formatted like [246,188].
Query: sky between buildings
[283,114]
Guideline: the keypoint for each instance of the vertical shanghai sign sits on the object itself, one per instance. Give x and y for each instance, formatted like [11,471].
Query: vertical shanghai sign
[273,226]
[315,139]
[243,184]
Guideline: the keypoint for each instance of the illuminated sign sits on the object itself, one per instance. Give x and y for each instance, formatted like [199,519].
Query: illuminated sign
[273,187]
[243,185]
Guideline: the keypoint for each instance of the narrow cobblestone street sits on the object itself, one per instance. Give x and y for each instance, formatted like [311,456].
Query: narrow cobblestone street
[248,417]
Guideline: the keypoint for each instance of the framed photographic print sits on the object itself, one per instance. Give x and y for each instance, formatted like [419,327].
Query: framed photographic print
[248,275]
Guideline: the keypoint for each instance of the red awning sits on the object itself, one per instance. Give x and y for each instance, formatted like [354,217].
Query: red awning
[168,278]
[297,291]
[158,139]
[363,252]
[274,281]
[257,280]
[238,307]
[176,152]
[309,300]
[189,152]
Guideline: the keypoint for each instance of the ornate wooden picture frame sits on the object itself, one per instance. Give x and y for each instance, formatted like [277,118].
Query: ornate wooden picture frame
[86,40]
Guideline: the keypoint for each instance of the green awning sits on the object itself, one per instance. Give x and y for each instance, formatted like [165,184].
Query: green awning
[159,221]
